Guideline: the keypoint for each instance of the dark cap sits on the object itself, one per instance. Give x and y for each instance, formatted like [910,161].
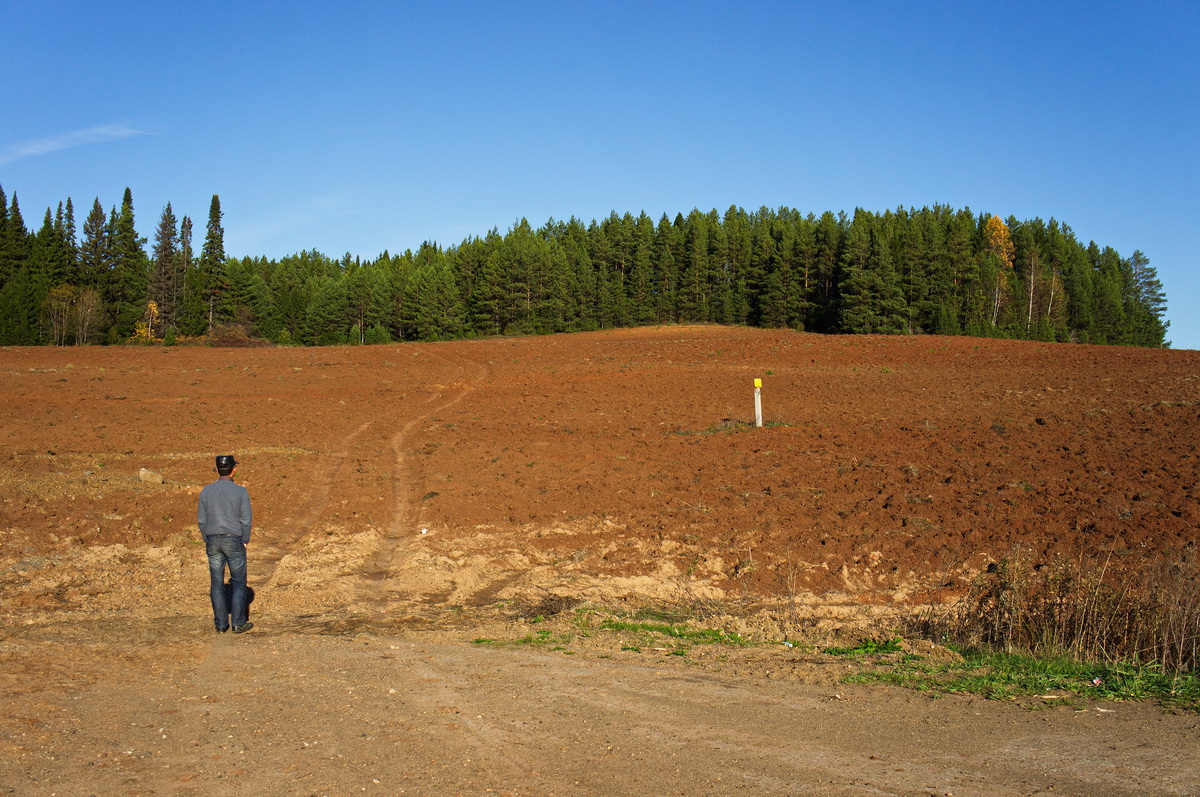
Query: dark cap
[225,462]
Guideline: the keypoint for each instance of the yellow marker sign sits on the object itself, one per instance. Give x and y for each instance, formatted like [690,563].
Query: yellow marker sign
[758,383]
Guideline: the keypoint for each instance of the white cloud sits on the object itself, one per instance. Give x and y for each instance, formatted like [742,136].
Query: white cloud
[76,138]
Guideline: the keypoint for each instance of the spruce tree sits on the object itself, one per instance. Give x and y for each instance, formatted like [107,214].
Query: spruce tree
[366,299]
[326,320]
[695,285]
[802,258]
[828,244]
[49,256]
[21,294]
[872,301]
[69,231]
[439,315]
[128,277]
[6,270]
[194,307]
[214,284]
[165,271]
[582,275]
[14,248]
[95,256]
[667,244]
[1108,298]
[19,300]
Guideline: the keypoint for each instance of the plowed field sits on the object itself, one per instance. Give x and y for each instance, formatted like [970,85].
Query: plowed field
[451,489]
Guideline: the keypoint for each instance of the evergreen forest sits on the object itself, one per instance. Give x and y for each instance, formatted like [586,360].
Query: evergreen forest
[905,271]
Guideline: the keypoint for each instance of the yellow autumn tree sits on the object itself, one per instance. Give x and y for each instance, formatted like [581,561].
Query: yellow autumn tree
[143,331]
[999,243]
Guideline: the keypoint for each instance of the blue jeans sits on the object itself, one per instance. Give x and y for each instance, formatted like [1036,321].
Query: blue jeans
[231,552]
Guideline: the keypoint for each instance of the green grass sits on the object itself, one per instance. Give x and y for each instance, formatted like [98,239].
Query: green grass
[651,628]
[1005,676]
[703,636]
[868,647]
[546,638]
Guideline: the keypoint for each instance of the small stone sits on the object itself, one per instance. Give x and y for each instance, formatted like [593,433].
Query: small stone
[150,476]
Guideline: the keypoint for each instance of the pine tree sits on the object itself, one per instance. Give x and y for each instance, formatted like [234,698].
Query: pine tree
[49,256]
[937,306]
[252,301]
[6,269]
[933,269]
[773,273]
[581,276]
[193,308]
[1146,303]
[165,271]
[19,302]
[695,283]
[15,244]
[214,284]
[292,283]
[485,312]
[1109,306]
[366,299]
[642,304]
[95,252]
[828,236]
[440,314]
[466,261]
[667,245]
[872,301]
[69,232]
[129,275]
[325,322]
[20,295]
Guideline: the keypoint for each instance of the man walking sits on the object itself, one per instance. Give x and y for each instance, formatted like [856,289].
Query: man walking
[224,518]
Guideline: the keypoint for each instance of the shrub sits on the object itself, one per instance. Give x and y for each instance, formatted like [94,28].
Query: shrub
[1083,609]
[377,334]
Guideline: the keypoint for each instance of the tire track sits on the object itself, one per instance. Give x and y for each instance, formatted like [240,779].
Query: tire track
[377,440]
[407,484]
[268,555]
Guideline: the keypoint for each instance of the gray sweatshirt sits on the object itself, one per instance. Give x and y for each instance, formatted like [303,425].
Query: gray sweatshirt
[224,509]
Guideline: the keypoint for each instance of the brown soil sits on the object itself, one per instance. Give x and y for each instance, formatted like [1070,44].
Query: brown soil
[410,499]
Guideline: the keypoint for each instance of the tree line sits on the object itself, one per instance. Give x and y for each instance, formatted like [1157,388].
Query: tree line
[904,271]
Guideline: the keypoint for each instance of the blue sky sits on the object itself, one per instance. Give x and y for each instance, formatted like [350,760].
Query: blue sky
[368,126]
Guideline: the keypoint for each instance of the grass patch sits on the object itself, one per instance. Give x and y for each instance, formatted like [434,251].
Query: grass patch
[1065,630]
[542,639]
[546,638]
[868,647]
[1008,676]
[558,622]
[702,636]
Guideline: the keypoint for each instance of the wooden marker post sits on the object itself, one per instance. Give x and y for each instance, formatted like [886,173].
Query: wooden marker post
[758,402]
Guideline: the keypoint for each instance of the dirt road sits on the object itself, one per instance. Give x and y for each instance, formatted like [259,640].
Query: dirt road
[164,709]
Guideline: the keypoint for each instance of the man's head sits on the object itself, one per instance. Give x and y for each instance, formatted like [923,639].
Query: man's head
[226,464]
